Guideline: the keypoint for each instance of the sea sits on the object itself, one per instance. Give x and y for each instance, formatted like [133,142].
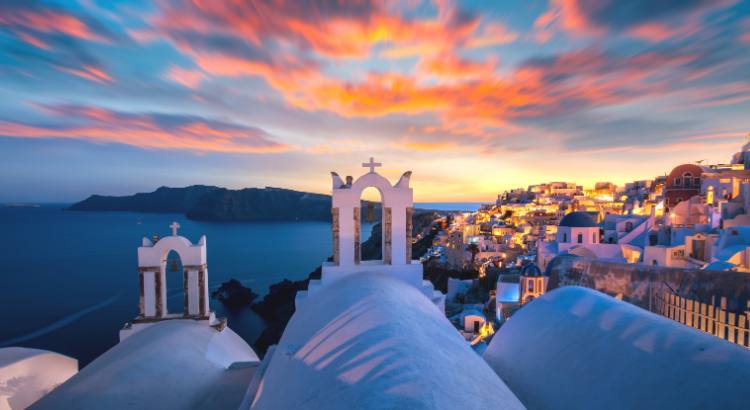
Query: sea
[69,280]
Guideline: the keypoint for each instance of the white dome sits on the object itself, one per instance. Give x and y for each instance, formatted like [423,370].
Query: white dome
[578,348]
[173,364]
[369,341]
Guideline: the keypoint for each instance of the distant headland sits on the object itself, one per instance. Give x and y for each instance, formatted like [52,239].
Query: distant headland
[211,203]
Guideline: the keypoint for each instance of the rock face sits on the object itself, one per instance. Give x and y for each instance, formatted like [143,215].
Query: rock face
[233,295]
[276,308]
[210,203]
[163,200]
[255,204]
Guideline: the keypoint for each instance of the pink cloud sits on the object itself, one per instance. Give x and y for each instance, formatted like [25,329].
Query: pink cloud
[644,19]
[153,131]
[90,73]
[34,41]
[185,77]
[47,21]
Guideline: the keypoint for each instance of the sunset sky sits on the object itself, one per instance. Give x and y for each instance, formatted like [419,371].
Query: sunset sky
[116,97]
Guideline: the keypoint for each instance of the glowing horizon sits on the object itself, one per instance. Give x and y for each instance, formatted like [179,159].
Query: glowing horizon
[121,97]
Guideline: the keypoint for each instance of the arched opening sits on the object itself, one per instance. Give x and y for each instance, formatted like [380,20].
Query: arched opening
[175,283]
[371,227]
[688,178]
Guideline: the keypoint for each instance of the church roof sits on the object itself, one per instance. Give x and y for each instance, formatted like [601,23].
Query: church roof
[173,364]
[579,336]
[531,270]
[28,374]
[578,220]
[371,341]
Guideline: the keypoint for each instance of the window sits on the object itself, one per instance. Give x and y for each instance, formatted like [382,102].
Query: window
[654,262]
[580,238]
[593,237]
[687,178]
[678,181]
[531,285]
[696,181]
[628,226]
[565,237]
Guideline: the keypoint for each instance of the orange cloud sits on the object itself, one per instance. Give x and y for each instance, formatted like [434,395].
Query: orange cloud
[451,66]
[410,50]
[291,45]
[428,146]
[492,35]
[288,80]
[340,30]
[475,101]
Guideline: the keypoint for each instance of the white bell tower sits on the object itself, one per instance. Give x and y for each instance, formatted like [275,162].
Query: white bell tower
[152,270]
[397,210]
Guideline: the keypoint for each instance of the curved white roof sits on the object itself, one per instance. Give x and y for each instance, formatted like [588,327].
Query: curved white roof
[28,374]
[174,364]
[578,348]
[369,341]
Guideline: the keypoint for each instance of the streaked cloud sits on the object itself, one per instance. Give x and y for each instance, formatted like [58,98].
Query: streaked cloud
[153,131]
[188,78]
[470,83]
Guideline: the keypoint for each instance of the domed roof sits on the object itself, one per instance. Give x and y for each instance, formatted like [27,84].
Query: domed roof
[159,359]
[568,339]
[578,220]
[531,270]
[371,341]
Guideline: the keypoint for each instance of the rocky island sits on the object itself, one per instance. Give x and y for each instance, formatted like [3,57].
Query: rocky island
[233,295]
[211,203]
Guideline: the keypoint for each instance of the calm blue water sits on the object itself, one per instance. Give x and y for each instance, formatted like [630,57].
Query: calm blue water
[69,280]
[450,206]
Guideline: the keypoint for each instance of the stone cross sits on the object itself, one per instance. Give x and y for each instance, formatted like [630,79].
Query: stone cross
[175,226]
[372,164]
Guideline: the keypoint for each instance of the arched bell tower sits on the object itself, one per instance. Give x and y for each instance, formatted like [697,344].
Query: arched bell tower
[152,266]
[346,211]
[397,202]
